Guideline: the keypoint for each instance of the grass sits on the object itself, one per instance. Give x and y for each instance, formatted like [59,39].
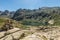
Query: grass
[24,24]
[2,20]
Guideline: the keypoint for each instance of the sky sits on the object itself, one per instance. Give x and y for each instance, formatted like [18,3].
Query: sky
[27,4]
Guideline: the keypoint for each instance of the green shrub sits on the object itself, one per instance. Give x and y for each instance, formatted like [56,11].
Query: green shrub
[33,22]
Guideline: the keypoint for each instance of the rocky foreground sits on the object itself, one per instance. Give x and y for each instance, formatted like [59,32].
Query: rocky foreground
[31,34]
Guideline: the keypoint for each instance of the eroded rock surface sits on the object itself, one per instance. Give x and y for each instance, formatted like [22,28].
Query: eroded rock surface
[17,34]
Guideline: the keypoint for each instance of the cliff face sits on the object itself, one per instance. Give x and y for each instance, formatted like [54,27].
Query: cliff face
[35,34]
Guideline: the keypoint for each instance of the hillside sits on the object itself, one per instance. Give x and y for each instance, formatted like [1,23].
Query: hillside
[39,16]
[35,17]
[3,21]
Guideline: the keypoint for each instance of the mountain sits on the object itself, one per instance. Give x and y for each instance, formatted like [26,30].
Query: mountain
[39,16]
[6,13]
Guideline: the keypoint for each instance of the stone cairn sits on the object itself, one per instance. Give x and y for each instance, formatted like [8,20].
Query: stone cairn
[7,25]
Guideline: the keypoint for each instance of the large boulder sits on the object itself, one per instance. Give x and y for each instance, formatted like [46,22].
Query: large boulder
[11,34]
[17,35]
[8,37]
[2,34]
[35,36]
[32,37]
[13,30]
